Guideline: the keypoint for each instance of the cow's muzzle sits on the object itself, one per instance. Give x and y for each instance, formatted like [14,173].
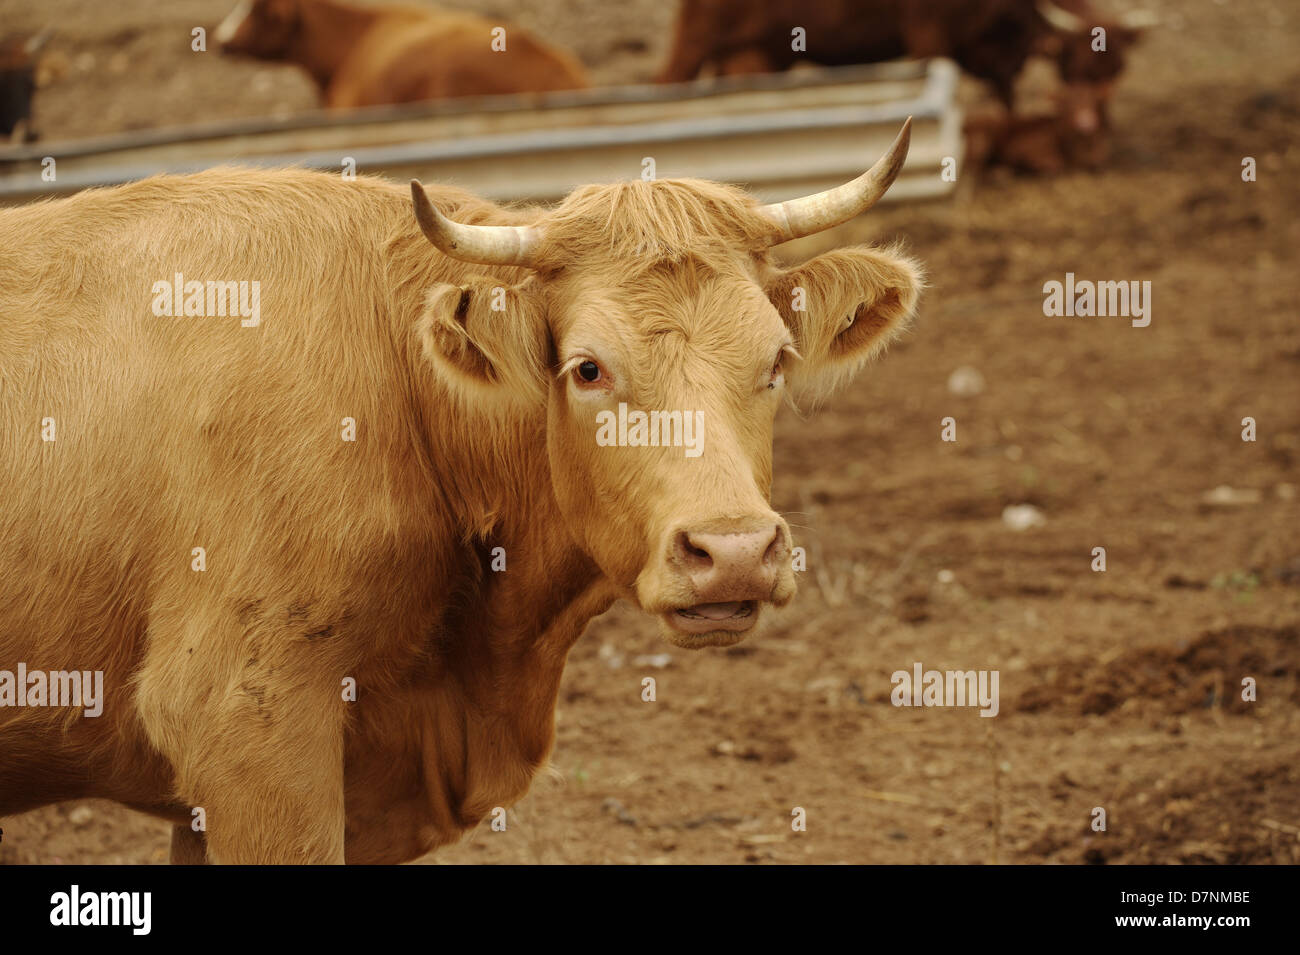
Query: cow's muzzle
[718,576]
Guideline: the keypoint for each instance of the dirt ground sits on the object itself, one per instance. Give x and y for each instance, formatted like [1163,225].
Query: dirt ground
[1119,689]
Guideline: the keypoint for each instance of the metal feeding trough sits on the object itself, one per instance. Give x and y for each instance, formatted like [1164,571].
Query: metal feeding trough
[780,135]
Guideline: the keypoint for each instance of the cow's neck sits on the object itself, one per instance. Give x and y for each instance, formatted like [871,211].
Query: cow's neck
[327,32]
[516,595]
[505,644]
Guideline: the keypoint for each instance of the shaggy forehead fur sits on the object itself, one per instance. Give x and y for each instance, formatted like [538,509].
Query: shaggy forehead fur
[685,318]
[646,249]
[639,226]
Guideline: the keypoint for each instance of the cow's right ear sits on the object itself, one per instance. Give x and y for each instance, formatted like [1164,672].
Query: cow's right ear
[488,340]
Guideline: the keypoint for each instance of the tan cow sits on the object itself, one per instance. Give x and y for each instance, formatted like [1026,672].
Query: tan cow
[329,538]
[375,55]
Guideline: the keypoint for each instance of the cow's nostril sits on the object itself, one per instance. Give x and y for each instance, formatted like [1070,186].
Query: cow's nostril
[739,561]
[732,553]
[691,552]
[774,548]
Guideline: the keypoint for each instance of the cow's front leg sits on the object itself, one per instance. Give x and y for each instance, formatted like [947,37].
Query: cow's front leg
[188,847]
[257,745]
[268,773]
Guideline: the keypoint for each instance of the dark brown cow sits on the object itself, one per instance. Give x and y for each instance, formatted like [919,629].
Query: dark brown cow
[990,39]
[1089,75]
[369,56]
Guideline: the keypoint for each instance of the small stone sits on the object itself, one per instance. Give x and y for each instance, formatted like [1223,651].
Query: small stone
[965,382]
[1225,496]
[1021,517]
[81,816]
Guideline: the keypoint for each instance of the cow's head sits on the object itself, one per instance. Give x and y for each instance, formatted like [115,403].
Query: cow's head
[260,28]
[1088,72]
[659,338]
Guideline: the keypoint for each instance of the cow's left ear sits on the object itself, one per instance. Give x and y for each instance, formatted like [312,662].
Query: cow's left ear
[842,308]
[488,340]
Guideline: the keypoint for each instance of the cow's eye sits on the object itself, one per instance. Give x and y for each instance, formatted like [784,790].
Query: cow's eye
[776,377]
[778,372]
[588,371]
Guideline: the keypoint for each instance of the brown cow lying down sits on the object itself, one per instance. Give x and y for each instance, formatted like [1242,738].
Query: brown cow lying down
[1030,144]
[1043,143]
[369,56]
[325,491]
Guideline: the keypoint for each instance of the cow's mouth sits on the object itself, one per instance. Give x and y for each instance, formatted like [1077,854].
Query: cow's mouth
[725,622]
[705,618]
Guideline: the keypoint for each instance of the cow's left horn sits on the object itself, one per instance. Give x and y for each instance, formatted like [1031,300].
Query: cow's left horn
[484,244]
[800,217]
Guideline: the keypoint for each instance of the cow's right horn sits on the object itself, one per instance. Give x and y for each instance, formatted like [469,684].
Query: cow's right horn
[797,218]
[484,244]
[1063,20]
